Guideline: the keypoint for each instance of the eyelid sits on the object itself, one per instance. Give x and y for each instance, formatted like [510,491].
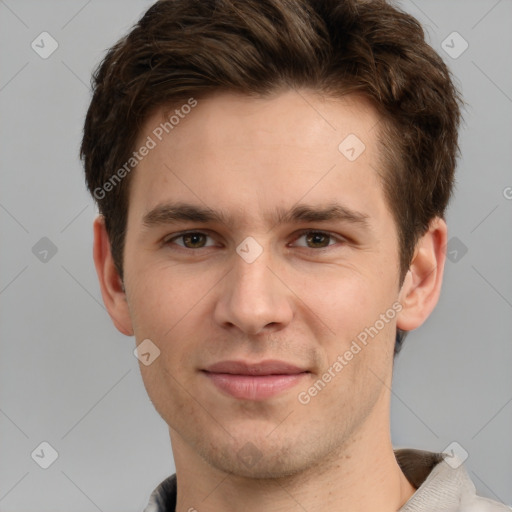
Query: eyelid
[296,236]
[305,231]
[169,238]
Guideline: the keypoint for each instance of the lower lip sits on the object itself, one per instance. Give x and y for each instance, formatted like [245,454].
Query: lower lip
[249,387]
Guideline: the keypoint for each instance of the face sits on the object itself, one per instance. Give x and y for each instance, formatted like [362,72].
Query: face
[296,261]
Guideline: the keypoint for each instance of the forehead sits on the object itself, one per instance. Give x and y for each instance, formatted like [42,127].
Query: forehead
[230,118]
[258,153]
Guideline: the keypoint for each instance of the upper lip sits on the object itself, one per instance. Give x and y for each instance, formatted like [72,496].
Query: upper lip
[268,367]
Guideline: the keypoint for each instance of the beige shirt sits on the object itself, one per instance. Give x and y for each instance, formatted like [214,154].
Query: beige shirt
[441,486]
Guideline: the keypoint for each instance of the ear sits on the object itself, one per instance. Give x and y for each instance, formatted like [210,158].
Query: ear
[112,289]
[422,285]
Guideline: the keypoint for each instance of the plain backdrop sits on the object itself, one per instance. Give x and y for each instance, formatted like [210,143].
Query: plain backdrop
[68,378]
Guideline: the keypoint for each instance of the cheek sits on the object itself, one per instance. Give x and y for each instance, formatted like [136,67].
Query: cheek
[165,304]
[358,355]
[342,299]
[162,295]
[168,307]
[355,319]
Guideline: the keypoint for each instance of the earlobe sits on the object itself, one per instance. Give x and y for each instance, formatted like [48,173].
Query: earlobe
[112,289]
[422,284]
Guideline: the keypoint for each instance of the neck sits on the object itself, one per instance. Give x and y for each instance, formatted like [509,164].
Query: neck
[362,475]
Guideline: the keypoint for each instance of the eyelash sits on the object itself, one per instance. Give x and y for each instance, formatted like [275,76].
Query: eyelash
[169,240]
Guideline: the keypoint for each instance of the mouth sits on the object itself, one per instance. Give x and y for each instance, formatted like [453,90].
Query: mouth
[254,381]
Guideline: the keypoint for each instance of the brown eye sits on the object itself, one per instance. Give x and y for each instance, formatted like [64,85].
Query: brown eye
[194,240]
[318,239]
[315,240]
[191,240]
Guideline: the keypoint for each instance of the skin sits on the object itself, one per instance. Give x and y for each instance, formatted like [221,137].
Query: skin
[298,302]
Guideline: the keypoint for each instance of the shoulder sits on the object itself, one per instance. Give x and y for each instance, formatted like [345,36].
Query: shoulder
[442,484]
[163,498]
[479,504]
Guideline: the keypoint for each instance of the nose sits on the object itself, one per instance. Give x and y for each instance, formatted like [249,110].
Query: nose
[254,297]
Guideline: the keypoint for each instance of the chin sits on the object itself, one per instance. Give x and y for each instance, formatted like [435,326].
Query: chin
[270,462]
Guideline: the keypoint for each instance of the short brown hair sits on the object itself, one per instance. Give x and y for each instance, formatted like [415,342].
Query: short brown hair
[184,48]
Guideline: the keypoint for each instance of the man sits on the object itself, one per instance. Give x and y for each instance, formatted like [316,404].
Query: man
[272,177]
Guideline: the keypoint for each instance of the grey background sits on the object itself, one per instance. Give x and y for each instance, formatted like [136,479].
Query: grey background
[69,378]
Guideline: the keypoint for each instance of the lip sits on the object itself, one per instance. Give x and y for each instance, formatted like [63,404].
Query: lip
[254,381]
[267,367]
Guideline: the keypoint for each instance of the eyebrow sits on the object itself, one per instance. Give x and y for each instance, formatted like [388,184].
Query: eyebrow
[168,213]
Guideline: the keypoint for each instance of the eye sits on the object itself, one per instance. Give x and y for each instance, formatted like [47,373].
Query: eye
[190,240]
[317,239]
